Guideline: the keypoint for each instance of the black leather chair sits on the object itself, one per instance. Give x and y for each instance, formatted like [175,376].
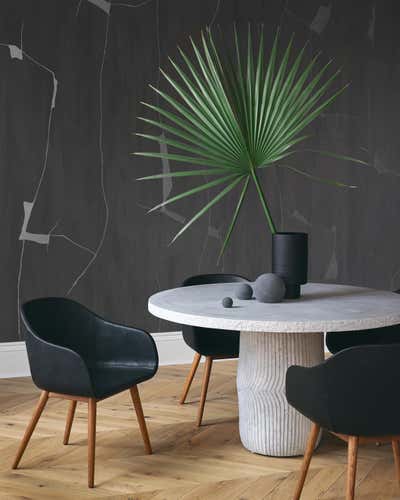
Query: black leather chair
[213,344]
[76,355]
[351,395]
[336,341]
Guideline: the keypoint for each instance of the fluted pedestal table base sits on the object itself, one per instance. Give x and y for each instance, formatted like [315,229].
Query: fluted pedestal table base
[267,424]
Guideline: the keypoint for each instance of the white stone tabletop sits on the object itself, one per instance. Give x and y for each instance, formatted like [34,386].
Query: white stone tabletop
[321,308]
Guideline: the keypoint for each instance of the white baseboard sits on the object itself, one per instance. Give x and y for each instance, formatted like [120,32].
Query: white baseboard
[172,350]
[13,360]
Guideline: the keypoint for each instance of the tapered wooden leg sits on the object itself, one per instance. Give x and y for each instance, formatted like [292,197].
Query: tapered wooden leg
[31,427]
[352,449]
[140,416]
[396,454]
[312,440]
[70,419]
[204,388]
[189,379]
[92,406]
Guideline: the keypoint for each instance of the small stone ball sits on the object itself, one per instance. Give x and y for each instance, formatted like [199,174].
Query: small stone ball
[244,292]
[227,302]
[269,288]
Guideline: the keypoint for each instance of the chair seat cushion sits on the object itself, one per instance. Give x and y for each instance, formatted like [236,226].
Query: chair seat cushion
[109,378]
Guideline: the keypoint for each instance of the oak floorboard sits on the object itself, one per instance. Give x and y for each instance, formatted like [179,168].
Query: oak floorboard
[189,463]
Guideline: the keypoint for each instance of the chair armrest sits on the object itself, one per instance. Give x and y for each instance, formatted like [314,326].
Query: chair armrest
[124,344]
[56,368]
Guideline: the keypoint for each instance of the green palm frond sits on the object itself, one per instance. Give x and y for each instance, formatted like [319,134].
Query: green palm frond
[234,115]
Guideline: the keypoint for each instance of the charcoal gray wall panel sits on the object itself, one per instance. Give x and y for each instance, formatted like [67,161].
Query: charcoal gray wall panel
[72,75]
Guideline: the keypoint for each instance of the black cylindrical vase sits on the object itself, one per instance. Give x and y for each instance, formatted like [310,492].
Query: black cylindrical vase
[290,260]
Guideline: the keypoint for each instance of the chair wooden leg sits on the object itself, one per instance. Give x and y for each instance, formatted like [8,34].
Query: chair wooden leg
[70,419]
[140,416]
[204,388]
[352,449]
[312,440]
[92,407]
[189,379]
[396,454]
[31,427]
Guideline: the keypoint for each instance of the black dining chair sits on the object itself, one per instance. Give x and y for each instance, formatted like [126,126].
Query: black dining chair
[337,341]
[76,355]
[351,395]
[208,342]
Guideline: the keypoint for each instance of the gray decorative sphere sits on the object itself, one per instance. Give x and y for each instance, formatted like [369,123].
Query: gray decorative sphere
[269,288]
[244,292]
[227,302]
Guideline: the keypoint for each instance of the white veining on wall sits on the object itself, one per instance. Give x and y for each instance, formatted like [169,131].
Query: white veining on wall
[65,237]
[102,4]
[321,19]
[33,232]
[28,206]
[167,182]
[20,54]
[167,186]
[42,239]
[101,151]
[15,52]
[106,7]
[133,6]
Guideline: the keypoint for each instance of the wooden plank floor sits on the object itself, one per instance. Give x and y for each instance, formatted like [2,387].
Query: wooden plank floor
[188,463]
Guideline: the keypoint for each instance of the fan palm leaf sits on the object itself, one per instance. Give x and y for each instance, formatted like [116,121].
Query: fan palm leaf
[235,115]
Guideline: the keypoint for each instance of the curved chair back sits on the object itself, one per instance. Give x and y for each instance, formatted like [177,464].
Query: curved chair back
[68,346]
[353,392]
[62,322]
[58,333]
[205,279]
[207,341]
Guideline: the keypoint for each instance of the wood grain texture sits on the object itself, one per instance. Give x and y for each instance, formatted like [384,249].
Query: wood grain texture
[396,456]
[69,421]
[31,427]
[204,388]
[140,416]
[312,441]
[190,376]
[188,463]
[92,410]
[352,452]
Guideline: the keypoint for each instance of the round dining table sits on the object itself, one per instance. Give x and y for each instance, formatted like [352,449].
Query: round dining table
[272,338]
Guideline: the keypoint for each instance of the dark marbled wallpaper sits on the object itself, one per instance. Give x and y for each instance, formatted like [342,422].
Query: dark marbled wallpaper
[72,75]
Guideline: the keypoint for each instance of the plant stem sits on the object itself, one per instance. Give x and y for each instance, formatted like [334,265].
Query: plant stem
[263,201]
